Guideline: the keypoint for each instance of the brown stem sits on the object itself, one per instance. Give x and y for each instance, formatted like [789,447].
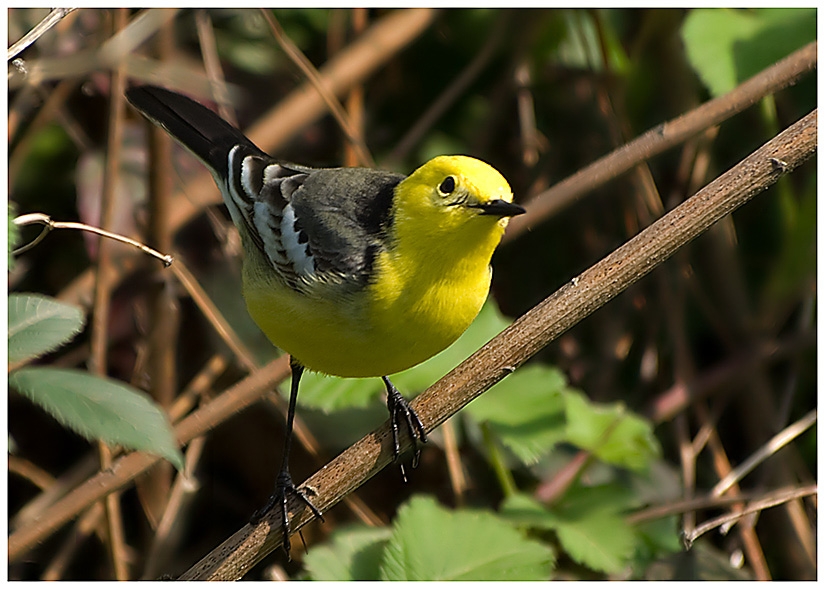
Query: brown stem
[570,304]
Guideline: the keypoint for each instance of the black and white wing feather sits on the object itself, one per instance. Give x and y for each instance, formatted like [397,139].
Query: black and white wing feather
[312,225]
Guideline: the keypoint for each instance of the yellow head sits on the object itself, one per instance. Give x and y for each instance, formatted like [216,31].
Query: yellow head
[430,282]
[454,204]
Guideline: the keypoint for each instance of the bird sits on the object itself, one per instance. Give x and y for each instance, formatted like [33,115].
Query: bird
[354,272]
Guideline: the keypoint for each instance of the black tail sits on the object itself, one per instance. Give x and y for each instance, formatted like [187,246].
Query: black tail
[196,127]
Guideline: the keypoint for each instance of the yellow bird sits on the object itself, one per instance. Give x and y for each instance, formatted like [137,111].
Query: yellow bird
[354,272]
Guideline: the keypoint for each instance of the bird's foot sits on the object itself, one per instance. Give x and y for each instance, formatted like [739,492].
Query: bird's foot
[402,414]
[283,489]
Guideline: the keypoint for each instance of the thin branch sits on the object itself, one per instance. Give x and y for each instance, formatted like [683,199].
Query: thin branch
[570,304]
[88,523]
[355,98]
[75,475]
[114,52]
[165,317]
[681,395]
[30,472]
[756,506]
[127,467]
[777,442]
[528,132]
[551,490]
[452,93]
[167,530]
[54,17]
[335,107]
[214,316]
[458,482]
[698,503]
[663,137]
[99,337]
[747,527]
[212,63]
[49,225]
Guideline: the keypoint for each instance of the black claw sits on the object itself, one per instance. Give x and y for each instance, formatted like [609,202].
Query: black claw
[284,488]
[401,412]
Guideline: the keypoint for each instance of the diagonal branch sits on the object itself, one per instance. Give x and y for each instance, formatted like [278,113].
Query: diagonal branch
[771,501]
[333,104]
[662,137]
[574,301]
[548,320]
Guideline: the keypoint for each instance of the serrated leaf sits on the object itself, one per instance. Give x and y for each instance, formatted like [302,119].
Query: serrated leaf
[431,543]
[610,432]
[585,501]
[39,324]
[526,411]
[523,510]
[100,409]
[601,542]
[351,554]
[590,530]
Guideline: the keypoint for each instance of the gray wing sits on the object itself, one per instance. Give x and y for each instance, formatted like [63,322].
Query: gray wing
[310,224]
[313,225]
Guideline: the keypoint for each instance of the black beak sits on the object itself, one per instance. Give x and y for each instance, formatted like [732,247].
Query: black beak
[499,208]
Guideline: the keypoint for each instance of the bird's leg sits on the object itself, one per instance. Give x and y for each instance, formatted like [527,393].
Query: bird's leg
[401,412]
[284,486]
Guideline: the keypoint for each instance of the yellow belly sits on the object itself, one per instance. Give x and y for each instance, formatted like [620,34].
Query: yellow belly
[374,332]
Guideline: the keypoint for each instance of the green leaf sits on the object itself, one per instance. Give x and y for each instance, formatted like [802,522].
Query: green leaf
[533,410]
[526,411]
[39,324]
[610,432]
[330,394]
[352,554]
[430,543]
[658,537]
[522,510]
[703,562]
[100,409]
[589,526]
[603,542]
[796,264]
[727,46]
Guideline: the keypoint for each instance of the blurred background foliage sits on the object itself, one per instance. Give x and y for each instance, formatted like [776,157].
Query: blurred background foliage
[557,460]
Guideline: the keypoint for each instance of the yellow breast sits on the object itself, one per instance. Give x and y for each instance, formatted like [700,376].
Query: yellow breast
[428,283]
[395,324]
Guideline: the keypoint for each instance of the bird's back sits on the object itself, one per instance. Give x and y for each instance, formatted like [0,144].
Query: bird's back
[354,272]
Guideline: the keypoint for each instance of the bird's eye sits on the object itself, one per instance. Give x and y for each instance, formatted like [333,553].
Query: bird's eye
[447,186]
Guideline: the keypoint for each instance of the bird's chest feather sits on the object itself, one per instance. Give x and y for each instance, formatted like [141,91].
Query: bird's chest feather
[427,304]
[414,307]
